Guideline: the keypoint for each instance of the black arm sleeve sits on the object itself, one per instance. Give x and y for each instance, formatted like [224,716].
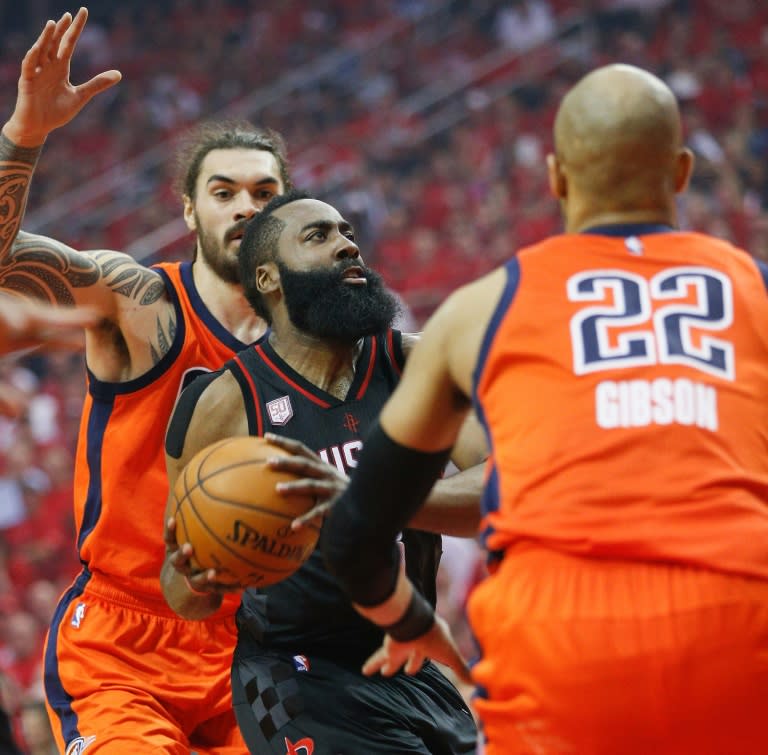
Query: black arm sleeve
[390,483]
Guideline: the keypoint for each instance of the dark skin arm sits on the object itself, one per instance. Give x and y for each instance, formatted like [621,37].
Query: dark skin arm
[191,593]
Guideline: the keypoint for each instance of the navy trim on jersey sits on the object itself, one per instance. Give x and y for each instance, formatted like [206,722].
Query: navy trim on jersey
[204,313]
[58,698]
[628,229]
[763,268]
[98,419]
[250,393]
[490,498]
[505,302]
[105,390]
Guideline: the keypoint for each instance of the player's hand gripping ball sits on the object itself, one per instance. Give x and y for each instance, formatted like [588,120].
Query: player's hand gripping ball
[228,509]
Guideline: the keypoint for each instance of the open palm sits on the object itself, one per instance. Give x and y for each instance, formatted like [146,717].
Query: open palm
[46,97]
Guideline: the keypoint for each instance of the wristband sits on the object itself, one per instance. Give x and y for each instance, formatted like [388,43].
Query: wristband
[193,589]
[417,620]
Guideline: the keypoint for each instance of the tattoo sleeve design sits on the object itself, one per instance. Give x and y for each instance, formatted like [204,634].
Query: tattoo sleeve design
[16,167]
[165,336]
[43,268]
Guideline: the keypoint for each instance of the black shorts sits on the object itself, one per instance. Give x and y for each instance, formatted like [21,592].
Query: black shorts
[306,705]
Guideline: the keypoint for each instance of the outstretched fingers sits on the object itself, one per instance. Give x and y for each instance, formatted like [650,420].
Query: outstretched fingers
[39,51]
[63,26]
[98,83]
[68,32]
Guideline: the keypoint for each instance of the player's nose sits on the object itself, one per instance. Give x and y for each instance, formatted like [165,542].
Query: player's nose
[347,250]
[246,206]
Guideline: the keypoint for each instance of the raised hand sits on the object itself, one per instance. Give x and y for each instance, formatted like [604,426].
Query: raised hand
[46,98]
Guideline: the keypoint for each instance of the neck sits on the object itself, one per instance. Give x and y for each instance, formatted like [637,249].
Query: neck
[583,213]
[593,220]
[227,303]
[329,365]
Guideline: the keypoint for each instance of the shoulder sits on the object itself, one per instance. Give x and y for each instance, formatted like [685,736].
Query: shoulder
[218,391]
[208,409]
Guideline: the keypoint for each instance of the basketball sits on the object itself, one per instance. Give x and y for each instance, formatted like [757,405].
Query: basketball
[228,509]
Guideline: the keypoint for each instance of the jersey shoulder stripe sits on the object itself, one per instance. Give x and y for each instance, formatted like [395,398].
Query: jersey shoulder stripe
[505,302]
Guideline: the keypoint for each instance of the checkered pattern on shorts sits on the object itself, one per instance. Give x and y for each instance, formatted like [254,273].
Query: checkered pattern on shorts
[273,695]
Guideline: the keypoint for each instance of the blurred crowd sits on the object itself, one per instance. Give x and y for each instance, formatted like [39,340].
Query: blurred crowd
[425,121]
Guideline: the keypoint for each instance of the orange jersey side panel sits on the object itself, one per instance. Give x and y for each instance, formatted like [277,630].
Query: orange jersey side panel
[624,383]
[120,480]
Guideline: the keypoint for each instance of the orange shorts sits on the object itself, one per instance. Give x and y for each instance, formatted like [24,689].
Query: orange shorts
[124,677]
[591,657]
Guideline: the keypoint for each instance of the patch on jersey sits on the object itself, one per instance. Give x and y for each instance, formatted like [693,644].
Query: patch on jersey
[301,662]
[634,245]
[78,616]
[305,746]
[76,746]
[280,410]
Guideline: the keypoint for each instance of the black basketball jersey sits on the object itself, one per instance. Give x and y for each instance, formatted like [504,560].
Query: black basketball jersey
[308,612]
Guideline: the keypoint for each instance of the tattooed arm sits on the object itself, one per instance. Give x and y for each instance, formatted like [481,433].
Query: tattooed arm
[136,321]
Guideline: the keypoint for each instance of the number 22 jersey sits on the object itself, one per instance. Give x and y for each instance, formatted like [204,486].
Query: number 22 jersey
[625,378]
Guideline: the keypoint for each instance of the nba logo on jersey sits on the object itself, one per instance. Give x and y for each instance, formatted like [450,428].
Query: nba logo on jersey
[78,615]
[280,410]
[634,245]
[301,662]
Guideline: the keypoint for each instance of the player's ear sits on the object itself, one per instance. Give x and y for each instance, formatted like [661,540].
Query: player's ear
[189,213]
[267,278]
[683,169]
[558,185]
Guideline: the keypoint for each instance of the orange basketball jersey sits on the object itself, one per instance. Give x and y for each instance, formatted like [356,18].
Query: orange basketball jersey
[624,383]
[120,479]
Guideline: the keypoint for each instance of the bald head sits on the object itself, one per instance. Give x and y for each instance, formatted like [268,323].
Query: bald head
[618,142]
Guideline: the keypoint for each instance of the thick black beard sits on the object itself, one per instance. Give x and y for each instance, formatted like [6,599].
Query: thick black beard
[321,304]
